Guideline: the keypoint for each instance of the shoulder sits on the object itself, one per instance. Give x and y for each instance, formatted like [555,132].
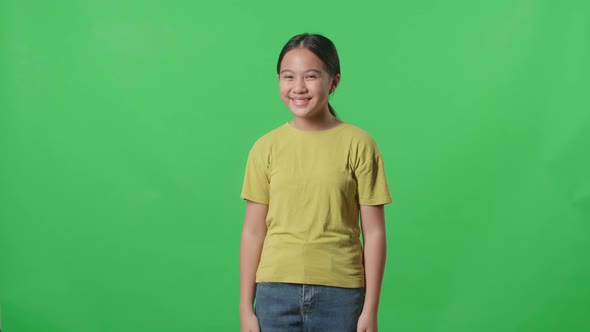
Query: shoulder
[359,137]
[264,142]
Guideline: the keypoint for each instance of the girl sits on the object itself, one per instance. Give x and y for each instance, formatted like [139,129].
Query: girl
[305,184]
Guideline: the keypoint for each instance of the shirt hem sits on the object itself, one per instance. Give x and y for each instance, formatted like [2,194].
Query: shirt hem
[380,201]
[254,199]
[314,281]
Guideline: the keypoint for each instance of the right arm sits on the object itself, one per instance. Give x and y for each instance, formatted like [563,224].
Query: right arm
[253,234]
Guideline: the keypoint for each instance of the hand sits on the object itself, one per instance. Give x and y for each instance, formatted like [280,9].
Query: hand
[249,323]
[367,322]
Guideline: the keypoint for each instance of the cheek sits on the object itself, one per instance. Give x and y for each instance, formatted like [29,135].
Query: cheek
[321,88]
[284,89]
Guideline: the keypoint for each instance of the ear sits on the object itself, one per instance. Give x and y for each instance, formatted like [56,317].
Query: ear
[335,82]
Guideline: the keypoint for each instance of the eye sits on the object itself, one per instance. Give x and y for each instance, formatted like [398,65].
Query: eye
[311,77]
[287,77]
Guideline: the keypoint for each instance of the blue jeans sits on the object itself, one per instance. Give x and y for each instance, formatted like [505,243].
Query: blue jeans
[282,307]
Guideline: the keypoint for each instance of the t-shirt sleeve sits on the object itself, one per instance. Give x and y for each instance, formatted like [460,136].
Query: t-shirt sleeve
[372,184]
[256,181]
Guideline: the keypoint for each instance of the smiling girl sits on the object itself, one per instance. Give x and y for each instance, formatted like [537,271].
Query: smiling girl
[306,184]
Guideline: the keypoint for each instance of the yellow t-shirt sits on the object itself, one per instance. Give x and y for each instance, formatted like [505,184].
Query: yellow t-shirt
[313,183]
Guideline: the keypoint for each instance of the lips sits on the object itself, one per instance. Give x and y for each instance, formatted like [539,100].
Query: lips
[300,101]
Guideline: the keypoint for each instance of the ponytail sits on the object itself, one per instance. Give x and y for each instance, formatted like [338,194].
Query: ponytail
[331,109]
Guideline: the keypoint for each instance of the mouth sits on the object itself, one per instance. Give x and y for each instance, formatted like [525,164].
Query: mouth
[300,101]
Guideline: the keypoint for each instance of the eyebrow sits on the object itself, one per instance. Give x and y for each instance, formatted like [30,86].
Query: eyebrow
[307,71]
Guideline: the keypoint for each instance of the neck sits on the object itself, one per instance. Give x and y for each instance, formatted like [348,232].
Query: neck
[326,121]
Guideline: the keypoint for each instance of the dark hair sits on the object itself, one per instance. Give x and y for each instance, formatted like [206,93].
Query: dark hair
[319,45]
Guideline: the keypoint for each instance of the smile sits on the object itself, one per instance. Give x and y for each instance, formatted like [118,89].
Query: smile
[300,101]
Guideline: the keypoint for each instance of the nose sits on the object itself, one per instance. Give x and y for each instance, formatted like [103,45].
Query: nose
[299,86]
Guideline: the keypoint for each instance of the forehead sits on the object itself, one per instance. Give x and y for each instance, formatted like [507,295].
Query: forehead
[301,59]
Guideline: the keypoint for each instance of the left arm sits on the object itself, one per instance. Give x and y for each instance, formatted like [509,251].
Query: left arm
[373,228]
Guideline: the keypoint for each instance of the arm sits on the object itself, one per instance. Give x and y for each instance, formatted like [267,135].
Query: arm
[373,228]
[253,234]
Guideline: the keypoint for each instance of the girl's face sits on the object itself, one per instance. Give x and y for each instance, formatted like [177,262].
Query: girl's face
[305,84]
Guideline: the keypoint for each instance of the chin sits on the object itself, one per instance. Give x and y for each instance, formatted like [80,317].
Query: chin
[304,114]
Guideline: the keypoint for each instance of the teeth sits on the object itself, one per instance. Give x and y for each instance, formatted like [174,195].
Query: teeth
[300,101]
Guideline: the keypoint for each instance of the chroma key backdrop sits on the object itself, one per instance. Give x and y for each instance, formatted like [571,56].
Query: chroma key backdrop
[125,127]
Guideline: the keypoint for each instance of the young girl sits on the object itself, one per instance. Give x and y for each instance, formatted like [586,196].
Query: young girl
[306,182]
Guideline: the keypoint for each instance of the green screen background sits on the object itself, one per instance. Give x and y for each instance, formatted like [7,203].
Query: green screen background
[125,127]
